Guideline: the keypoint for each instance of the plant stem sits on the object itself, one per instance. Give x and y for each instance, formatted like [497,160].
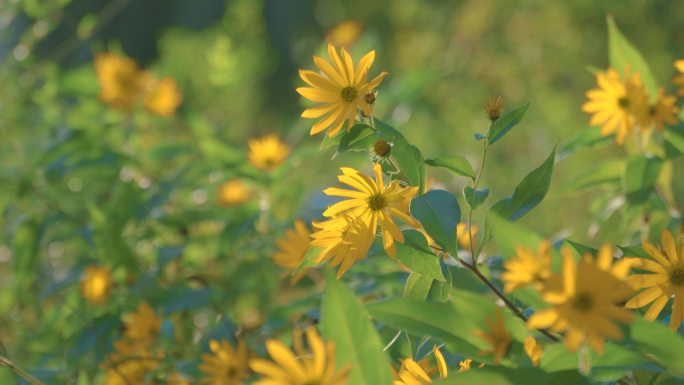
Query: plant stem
[4,361]
[476,182]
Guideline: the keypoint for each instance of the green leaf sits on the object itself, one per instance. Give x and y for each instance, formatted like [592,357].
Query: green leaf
[674,140]
[347,323]
[360,138]
[456,164]
[439,213]
[25,255]
[623,54]
[582,249]
[417,287]
[504,124]
[658,342]
[475,198]
[497,375]
[419,261]
[609,366]
[309,260]
[388,132]
[528,193]
[587,138]
[641,175]
[609,172]
[410,162]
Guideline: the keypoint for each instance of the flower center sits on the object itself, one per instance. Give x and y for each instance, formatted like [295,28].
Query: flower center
[231,372]
[623,102]
[381,148]
[677,276]
[583,302]
[652,110]
[312,382]
[377,202]
[349,94]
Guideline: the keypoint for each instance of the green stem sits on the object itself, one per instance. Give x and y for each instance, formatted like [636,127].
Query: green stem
[4,361]
[476,183]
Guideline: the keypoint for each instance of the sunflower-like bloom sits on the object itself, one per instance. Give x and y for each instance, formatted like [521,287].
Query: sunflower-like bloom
[679,78]
[225,365]
[462,235]
[664,280]
[143,325]
[374,203]
[267,152]
[586,306]
[420,373]
[617,105]
[292,248]
[497,337]
[533,350]
[341,89]
[96,284]
[663,111]
[315,365]
[233,192]
[528,268]
[121,80]
[162,97]
[129,363]
[344,240]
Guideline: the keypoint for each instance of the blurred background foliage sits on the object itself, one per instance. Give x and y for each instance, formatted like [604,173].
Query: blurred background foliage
[81,183]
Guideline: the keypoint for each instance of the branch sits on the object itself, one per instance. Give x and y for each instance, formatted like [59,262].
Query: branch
[4,361]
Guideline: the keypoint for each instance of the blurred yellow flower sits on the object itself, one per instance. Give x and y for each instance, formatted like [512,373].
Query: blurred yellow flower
[234,192]
[96,284]
[177,379]
[345,33]
[225,365]
[267,152]
[292,248]
[664,280]
[663,111]
[143,325]
[162,97]
[528,268]
[419,373]
[679,78]
[533,350]
[120,78]
[462,235]
[586,308]
[498,337]
[616,105]
[301,366]
[129,363]
[340,88]
[374,203]
[344,240]
[464,365]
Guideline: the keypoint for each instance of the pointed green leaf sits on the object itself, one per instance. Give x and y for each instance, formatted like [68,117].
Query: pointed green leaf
[347,323]
[504,124]
[641,175]
[439,213]
[623,54]
[475,198]
[456,164]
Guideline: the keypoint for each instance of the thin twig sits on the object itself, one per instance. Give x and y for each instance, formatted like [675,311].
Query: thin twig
[4,361]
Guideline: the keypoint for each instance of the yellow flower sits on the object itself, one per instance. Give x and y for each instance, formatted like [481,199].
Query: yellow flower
[374,203]
[225,365]
[301,366]
[419,373]
[464,365]
[528,268]
[177,379]
[494,107]
[162,97]
[462,235]
[345,33]
[663,111]
[267,152]
[292,248]
[233,192]
[129,363]
[344,240]
[142,326]
[96,284]
[533,350]
[120,78]
[616,105]
[679,78]
[664,280]
[586,307]
[498,337]
[340,88]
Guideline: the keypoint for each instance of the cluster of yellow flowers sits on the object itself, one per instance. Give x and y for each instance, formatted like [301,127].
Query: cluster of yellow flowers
[589,299]
[123,83]
[621,105]
[96,284]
